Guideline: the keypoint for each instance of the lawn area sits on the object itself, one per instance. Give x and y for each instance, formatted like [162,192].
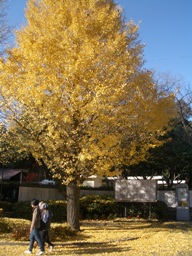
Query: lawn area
[116,238]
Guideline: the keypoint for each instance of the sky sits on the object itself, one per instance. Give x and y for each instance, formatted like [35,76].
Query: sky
[165,28]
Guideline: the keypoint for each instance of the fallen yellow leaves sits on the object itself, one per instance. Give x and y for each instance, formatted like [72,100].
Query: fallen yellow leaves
[122,237]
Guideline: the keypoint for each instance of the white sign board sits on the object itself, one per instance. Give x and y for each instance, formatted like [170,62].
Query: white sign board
[136,190]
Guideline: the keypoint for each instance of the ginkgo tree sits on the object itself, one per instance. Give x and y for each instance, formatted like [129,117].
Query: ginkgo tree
[75,93]
[4,28]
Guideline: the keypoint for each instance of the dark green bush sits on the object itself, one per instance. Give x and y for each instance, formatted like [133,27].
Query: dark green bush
[98,207]
[91,207]
[23,210]
[59,210]
[159,210]
[6,206]
[133,210]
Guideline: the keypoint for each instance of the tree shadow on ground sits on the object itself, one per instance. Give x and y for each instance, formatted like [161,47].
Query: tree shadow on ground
[95,243]
[82,248]
[125,225]
[88,248]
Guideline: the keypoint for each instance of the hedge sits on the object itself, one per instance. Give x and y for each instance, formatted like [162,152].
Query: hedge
[93,207]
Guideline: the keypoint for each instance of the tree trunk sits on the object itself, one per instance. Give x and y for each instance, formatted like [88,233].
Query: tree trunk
[73,198]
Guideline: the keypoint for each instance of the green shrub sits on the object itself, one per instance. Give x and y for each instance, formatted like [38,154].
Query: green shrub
[6,206]
[98,207]
[133,210]
[159,210]
[59,210]
[91,207]
[23,210]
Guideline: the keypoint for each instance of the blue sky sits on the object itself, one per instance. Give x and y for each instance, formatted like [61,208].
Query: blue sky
[165,29]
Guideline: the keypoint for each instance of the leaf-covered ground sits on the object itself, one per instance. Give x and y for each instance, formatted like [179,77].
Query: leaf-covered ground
[115,238]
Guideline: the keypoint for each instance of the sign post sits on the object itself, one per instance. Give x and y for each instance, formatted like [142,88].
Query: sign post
[141,191]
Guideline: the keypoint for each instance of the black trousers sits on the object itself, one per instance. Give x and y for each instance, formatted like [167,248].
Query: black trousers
[45,237]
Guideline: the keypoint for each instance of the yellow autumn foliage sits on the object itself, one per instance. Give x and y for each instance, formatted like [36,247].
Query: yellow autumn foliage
[74,91]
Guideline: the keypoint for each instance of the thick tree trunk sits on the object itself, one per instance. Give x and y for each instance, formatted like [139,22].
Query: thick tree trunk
[73,198]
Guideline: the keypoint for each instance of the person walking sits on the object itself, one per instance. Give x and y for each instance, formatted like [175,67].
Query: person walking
[46,216]
[34,229]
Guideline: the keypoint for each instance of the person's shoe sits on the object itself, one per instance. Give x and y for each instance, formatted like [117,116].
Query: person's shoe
[40,253]
[51,248]
[27,252]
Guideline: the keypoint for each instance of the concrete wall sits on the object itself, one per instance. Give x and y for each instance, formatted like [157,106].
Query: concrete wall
[169,197]
[29,193]
[96,192]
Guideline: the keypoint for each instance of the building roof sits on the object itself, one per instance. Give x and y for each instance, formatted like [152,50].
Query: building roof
[7,174]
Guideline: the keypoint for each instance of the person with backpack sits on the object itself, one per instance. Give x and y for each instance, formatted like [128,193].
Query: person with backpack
[46,217]
[34,229]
